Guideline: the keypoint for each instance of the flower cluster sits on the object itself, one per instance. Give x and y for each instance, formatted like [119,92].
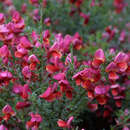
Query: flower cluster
[47,77]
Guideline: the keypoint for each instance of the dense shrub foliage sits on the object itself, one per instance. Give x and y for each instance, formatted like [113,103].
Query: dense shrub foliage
[64,64]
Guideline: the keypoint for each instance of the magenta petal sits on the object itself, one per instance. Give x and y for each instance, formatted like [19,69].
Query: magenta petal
[2,127]
[121,57]
[17,89]
[46,93]
[99,55]
[59,76]
[26,72]
[69,121]
[99,90]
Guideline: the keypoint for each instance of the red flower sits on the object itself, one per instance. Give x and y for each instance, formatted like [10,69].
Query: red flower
[87,74]
[65,124]
[78,3]
[119,5]
[34,61]
[110,33]
[92,107]
[8,111]
[51,94]
[115,89]
[21,105]
[54,53]
[66,88]
[34,2]
[118,100]
[52,68]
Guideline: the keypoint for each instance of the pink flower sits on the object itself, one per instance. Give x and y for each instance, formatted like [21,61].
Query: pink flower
[92,3]
[68,59]
[35,14]
[86,17]
[99,58]
[59,76]
[102,94]
[121,61]
[24,8]
[77,41]
[4,51]
[112,69]
[5,77]
[34,36]
[125,128]
[2,18]
[21,52]
[122,36]
[26,72]
[46,36]
[101,90]
[34,122]
[2,127]
[25,43]
[16,17]
[25,91]
[22,90]
[47,21]
[3,29]
[17,88]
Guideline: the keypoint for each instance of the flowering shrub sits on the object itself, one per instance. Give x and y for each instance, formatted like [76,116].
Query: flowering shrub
[64,64]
